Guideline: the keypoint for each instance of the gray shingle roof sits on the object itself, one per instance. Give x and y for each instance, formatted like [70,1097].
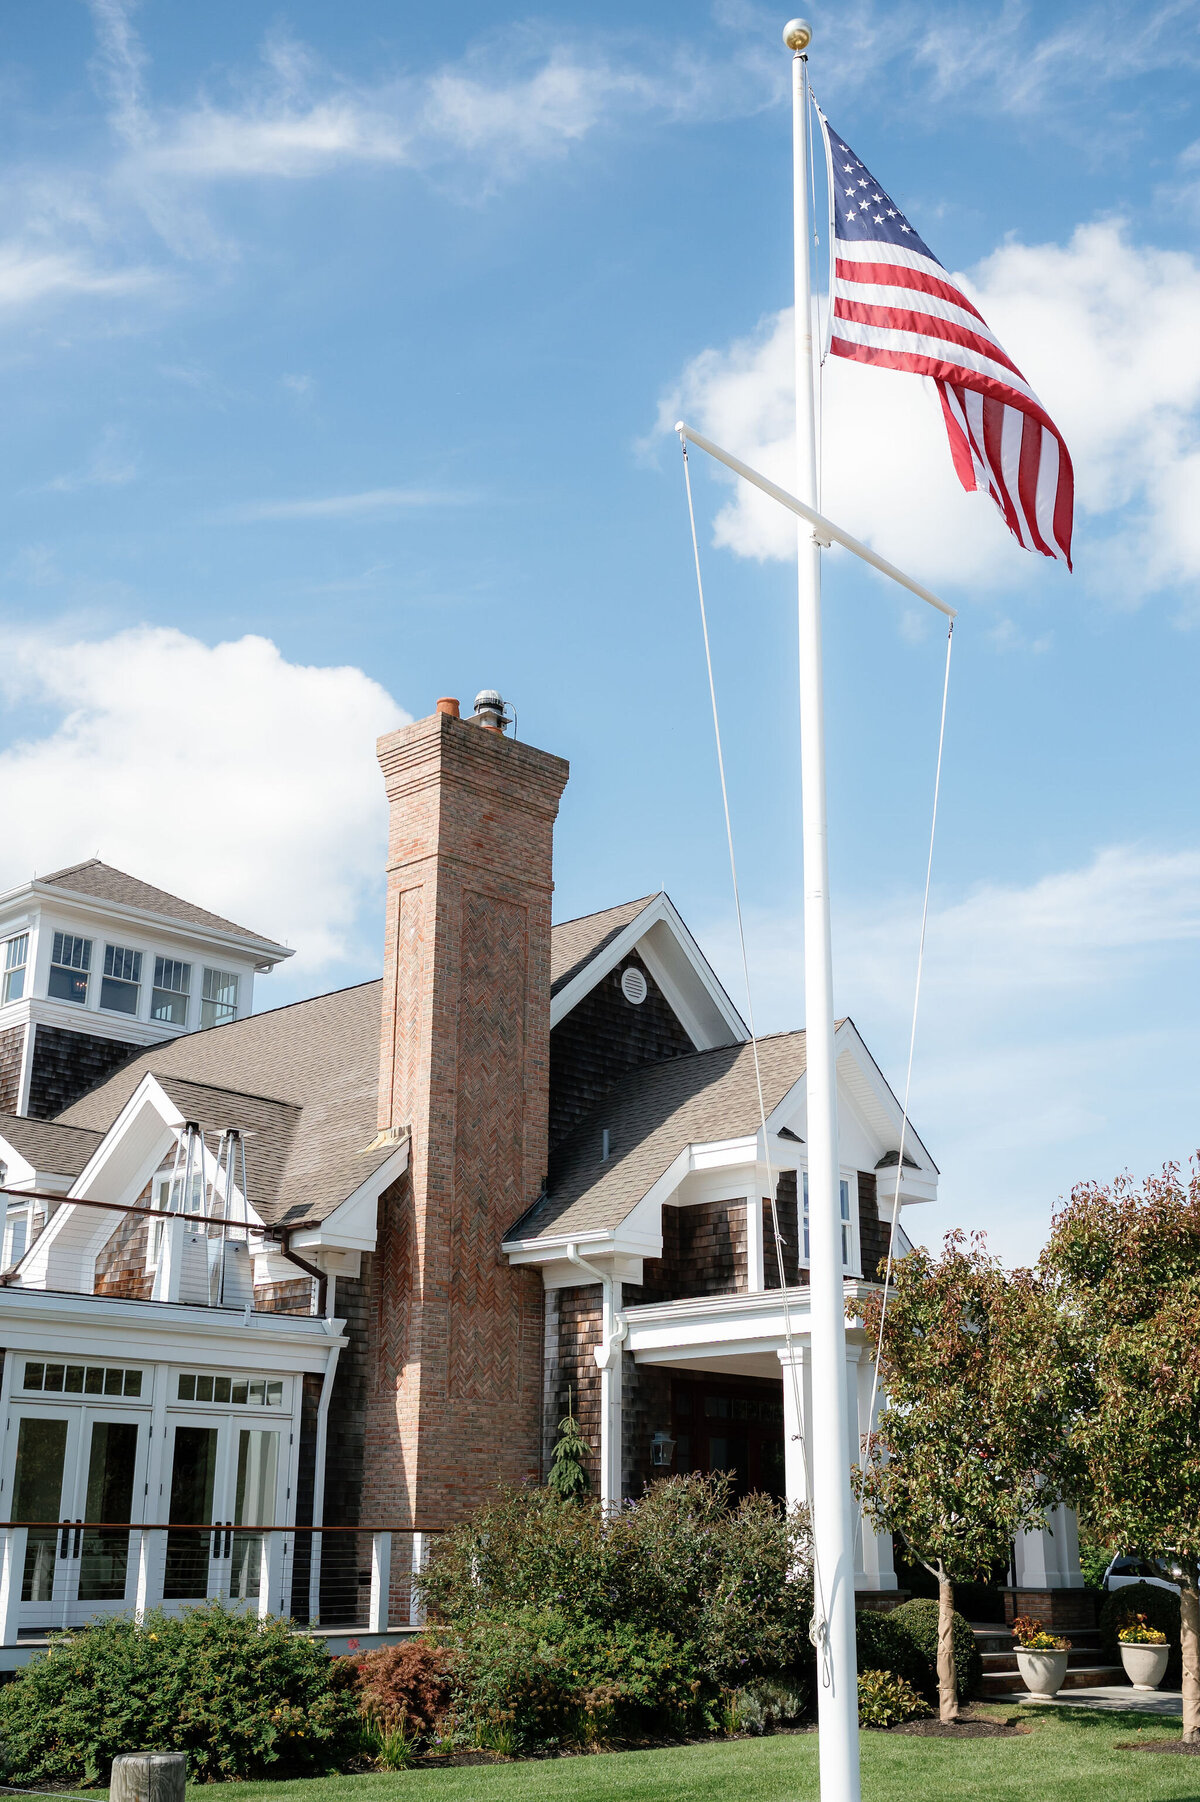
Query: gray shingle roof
[101,882]
[651,1115]
[58,1150]
[304,1078]
[575,942]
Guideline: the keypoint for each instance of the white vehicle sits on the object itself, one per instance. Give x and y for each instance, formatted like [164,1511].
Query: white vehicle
[1125,1570]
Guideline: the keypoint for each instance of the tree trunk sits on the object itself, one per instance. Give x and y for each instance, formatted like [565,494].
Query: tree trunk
[947,1685]
[1189,1637]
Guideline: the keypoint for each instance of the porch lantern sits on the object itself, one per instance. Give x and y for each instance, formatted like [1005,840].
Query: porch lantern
[662,1450]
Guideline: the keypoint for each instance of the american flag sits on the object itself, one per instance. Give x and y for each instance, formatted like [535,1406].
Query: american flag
[895,305]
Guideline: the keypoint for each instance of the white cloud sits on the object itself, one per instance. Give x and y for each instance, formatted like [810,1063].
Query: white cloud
[1105,331]
[223,773]
[1055,1038]
[348,506]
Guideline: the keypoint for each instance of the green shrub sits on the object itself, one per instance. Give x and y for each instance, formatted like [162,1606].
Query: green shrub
[1161,1609]
[243,1698]
[885,1700]
[764,1704]
[1094,1560]
[886,1644]
[537,1677]
[919,1619]
[732,1581]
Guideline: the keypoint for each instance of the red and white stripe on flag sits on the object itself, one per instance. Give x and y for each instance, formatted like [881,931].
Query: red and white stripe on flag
[895,305]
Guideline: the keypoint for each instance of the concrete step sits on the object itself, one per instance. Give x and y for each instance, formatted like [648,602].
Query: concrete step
[1080,1676]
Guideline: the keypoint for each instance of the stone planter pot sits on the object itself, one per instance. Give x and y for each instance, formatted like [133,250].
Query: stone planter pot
[1145,1666]
[1042,1672]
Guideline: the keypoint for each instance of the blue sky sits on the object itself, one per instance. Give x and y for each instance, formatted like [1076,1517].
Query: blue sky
[336,346]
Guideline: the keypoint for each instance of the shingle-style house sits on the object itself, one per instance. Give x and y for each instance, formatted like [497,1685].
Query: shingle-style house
[343,1264]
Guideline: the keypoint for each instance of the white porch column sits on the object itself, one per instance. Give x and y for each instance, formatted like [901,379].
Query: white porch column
[271,1574]
[797,1412]
[151,1569]
[755,1280]
[1048,1557]
[416,1607]
[12,1575]
[381,1582]
[874,1558]
[608,1357]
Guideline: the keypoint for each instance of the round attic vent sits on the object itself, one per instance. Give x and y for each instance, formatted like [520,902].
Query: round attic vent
[633,985]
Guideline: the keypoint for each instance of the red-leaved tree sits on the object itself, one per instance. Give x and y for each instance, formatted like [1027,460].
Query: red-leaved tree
[1125,1260]
[968,1450]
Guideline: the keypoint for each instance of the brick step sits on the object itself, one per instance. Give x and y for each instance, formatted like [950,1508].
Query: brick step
[1082,1676]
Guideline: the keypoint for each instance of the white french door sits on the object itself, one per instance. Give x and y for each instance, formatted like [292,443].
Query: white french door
[225,1480]
[74,1465]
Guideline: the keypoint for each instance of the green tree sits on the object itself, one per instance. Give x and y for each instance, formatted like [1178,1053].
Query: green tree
[568,1471]
[969,1445]
[1126,1262]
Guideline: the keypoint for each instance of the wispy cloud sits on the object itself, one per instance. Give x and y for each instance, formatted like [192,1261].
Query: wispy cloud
[1054,1040]
[111,465]
[30,274]
[349,506]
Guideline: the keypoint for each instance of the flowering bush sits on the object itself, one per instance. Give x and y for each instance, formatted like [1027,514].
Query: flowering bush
[1137,1631]
[885,1700]
[243,1698]
[1031,1636]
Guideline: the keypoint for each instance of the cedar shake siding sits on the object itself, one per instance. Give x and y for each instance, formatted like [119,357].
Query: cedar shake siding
[704,1253]
[67,1064]
[12,1043]
[602,1038]
[794,1267]
[873,1233]
[574,1376]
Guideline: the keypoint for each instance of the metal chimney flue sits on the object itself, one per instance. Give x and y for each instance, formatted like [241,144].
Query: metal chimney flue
[491,710]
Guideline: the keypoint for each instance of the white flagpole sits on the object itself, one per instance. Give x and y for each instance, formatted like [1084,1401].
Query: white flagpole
[829,1432]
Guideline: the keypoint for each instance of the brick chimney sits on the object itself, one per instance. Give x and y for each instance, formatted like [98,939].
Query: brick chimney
[455,1371]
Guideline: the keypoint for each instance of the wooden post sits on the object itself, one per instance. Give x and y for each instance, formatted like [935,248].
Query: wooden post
[149,1777]
[381,1582]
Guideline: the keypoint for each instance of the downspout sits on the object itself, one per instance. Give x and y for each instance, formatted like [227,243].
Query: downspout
[318,1504]
[614,1330]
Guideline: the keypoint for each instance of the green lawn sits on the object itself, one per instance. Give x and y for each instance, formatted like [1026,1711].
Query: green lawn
[1070,1756]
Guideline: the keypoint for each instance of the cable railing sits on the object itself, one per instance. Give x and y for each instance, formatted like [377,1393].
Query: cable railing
[341,1581]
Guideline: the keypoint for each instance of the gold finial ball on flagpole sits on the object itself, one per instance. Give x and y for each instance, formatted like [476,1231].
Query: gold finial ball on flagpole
[797,34]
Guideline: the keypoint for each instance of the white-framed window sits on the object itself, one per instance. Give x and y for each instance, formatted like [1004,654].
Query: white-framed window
[165,1195]
[121,984]
[82,1379]
[21,1222]
[844,1200]
[219,998]
[172,989]
[16,962]
[70,964]
[254,1392]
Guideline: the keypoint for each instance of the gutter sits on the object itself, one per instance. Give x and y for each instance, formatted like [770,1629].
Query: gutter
[284,1242]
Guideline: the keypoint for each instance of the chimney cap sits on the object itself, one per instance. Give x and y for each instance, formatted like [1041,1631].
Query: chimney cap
[489,700]
[492,711]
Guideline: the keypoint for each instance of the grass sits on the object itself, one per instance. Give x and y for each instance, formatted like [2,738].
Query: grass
[1069,1756]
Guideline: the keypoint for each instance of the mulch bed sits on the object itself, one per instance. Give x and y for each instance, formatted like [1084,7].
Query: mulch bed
[1159,1745]
[968,1726]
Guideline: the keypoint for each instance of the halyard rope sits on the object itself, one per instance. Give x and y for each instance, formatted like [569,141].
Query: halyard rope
[818,1633]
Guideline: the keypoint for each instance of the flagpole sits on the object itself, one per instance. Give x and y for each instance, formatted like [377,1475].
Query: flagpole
[828,1430]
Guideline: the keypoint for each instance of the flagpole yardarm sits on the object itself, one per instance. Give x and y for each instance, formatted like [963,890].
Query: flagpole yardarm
[829,1431]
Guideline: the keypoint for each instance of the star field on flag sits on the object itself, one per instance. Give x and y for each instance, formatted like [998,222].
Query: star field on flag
[896,306]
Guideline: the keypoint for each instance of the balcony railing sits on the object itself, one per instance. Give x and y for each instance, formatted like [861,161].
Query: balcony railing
[333,1580]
